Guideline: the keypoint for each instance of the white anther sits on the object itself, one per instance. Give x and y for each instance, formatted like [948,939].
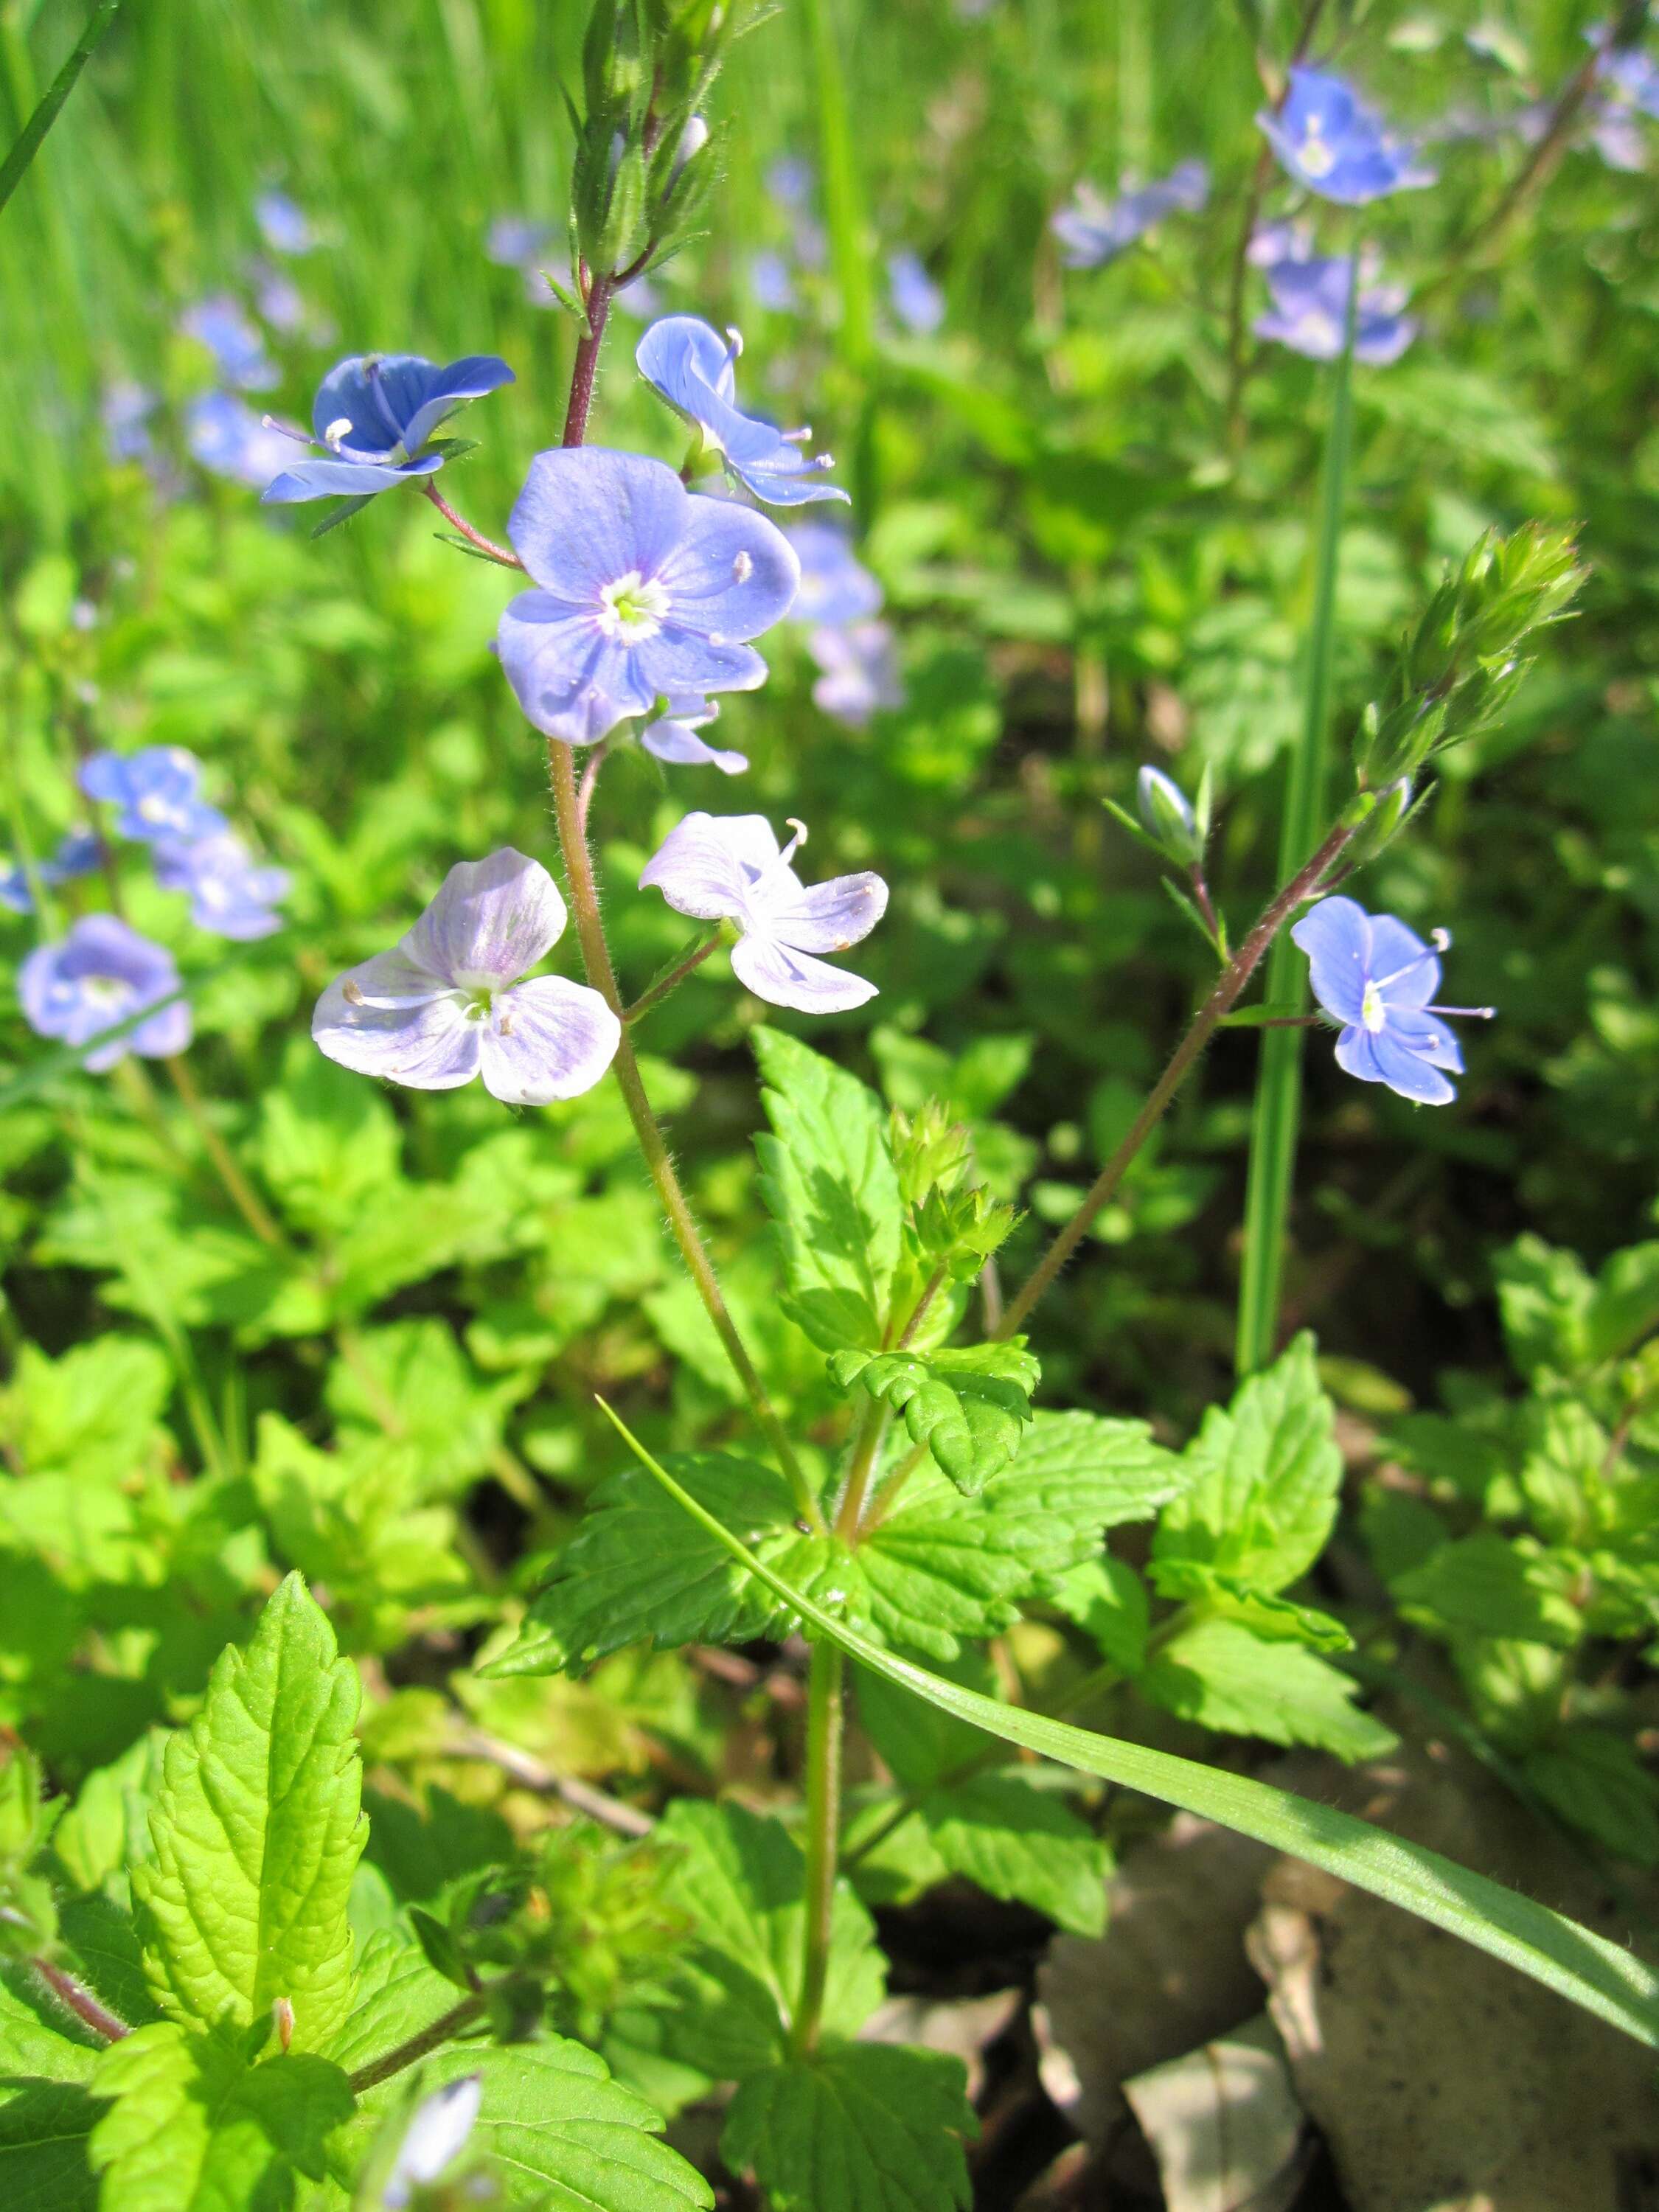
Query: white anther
[742,568]
[351,994]
[736,338]
[334,436]
[1441,940]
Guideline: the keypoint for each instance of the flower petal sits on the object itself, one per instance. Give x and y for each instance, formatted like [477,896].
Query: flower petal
[548,1039]
[572,682]
[491,921]
[1426,1036]
[784,978]
[1336,936]
[447,389]
[733,574]
[330,479]
[682,659]
[1355,1055]
[708,863]
[163,1033]
[829,917]
[1403,967]
[1404,1072]
[587,516]
[675,741]
[426,1044]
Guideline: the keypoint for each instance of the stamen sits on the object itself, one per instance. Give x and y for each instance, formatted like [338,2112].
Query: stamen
[334,436]
[1466,1014]
[351,994]
[796,437]
[734,343]
[822,461]
[1441,942]
[283,429]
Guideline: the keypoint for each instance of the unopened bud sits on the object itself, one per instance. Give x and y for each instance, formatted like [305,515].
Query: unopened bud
[693,139]
[1167,818]
[1381,820]
[282,2014]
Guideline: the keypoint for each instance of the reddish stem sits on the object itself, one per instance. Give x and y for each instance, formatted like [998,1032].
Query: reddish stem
[487,546]
[80,2001]
[587,360]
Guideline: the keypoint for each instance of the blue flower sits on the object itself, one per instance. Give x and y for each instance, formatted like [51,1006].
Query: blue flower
[436,2136]
[514,241]
[1331,143]
[1377,977]
[645,589]
[730,868]
[694,371]
[237,347]
[226,437]
[1633,74]
[790,180]
[770,281]
[103,973]
[230,894]
[450,1001]
[282,223]
[78,855]
[917,301]
[673,737]
[158,790]
[859,665]
[374,413]
[836,588]
[125,410]
[1093,231]
[1310,310]
[281,303]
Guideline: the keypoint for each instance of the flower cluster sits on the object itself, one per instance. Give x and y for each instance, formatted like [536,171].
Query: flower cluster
[1328,140]
[856,652]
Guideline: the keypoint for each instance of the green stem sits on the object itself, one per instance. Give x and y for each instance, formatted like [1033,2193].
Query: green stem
[45,114]
[675,976]
[842,199]
[1278,1074]
[596,958]
[1208,1019]
[417,2047]
[825,1722]
[237,1189]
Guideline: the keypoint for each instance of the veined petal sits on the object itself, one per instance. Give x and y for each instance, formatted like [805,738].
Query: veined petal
[675,741]
[427,1044]
[827,918]
[491,921]
[1355,1056]
[684,660]
[784,978]
[732,574]
[1403,968]
[1336,936]
[708,863]
[546,1039]
[688,363]
[447,389]
[330,479]
[1404,1072]
[571,681]
[587,516]
[1426,1036]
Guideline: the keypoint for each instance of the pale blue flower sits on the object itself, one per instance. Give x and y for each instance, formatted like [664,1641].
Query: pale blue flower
[125,410]
[375,414]
[512,241]
[100,974]
[791,181]
[770,283]
[645,590]
[730,868]
[230,893]
[860,673]
[1376,978]
[1331,141]
[282,223]
[158,790]
[836,588]
[917,301]
[1167,817]
[1310,308]
[673,737]
[450,1001]
[78,855]
[1093,230]
[228,439]
[281,303]
[694,371]
[436,2136]
[237,345]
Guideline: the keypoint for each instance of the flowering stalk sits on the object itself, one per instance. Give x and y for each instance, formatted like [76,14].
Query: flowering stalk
[1278,1075]
[503,553]
[825,1727]
[676,975]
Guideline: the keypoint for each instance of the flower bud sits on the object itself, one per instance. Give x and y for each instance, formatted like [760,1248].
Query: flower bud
[1168,817]
[1381,816]
[693,139]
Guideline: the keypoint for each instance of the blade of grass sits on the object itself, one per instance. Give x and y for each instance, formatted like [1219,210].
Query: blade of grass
[29,140]
[1571,1959]
[1279,1073]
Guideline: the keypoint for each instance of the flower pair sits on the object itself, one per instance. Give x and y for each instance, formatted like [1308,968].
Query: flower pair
[452,1001]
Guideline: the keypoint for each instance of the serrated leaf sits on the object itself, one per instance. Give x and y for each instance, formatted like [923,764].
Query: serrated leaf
[190,2128]
[967,1405]
[1274,1620]
[411,1381]
[1107,1600]
[1220,1675]
[1022,1843]
[828,1179]
[635,1572]
[860,2127]
[1595,1779]
[1086,1473]
[740,1881]
[91,1414]
[255,1833]
[1486,1584]
[1265,1477]
[563,2136]
[397,1997]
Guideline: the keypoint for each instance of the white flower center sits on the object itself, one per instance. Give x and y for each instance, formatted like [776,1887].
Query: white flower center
[633,609]
[1315,156]
[1372,1012]
[103,990]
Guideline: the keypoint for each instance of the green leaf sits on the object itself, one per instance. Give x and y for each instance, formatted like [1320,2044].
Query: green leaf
[1596,1781]
[92,1415]
[1108,1600]
[1085,1474]
[967,1405]
[1265,1477]
[859,2127]
[1018,1841]
[1604,1977]
[1625,1306]
[740,1881]
[1545,1297]
[827,1177]
[1488,1585]
[325,1143]
[563,2136]
[255,1833]
[397,1997]
[411,1381]
[190,2128]
[634,1572]
[1220,1674]
[1274,1620]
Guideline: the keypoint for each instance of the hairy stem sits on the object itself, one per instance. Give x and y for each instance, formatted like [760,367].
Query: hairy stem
[596,958]
[1233,978]
[676,975]
[587,360]
[80,2001]
[417,2047]
[503,553]
[825,1723]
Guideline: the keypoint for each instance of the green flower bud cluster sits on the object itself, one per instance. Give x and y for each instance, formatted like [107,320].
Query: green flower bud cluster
[953,1222]
[1461,664]
[643,170]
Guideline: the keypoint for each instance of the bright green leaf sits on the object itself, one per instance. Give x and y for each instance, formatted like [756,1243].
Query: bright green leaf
[1487,1585]
[255,1833]
[859,2127]
[1019,1841]
[91,1415]
[1107,1600]
[1274,1620]
[967,1404]
[1220,1674]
